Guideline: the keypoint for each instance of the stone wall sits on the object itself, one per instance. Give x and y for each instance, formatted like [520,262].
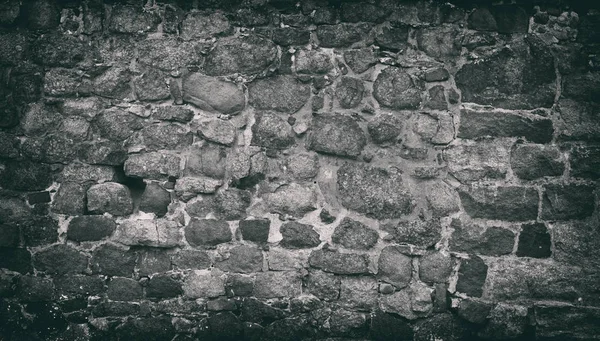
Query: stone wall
[299,170]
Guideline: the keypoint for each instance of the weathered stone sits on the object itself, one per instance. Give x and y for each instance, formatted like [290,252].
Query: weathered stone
[293,199]
[39,231]
[442,43]
[341,35]
[76,285]
[509,203]
[482,20]
[155,233]
[475,124]
[345,322]
[473,161]
[531,161]
[388,327]
[112,260]
[113,83]
[392,38]
[52,148]
[153,165]
[395,89]
[160,136]
[336,134]
[130,19]
[109,197]
[83,173]
[473,238]
[385,128]
[242,259]
[349,92]
[60,259]
[376,192]
[576,242]
[16,259]
[65,82]
[303,166]
[147,328]
[471,276]
[173,113]
[35,289]
[585,162]
[359,12]
[151,86]
[209,160]
[358,292]
[409,303]
[437,128]
[13,209]
[58,50]
[436,98]
[75,128]
[556,320]
[286,36]
[271,131]
[504,19]
[10,235]
[521,76]
[474,311]
[163,286]
[38,198]
[239,285]
[117,125]
[360,60]
[39,119]
[221,304]
[442,198]
[70,199]
[323,285]
[246,55]
[534,241]
[213,94]
[169,54]
[42,14]
[197,25]
[281,93]
[580,120]
[191,259]
[339,263]
[189,187]
[256,230]
[25,176]
[155,199]
[506,322]
[436,75]
[124,289]
[14,45]
[231,203]
[353,234]
[207,232]
[394,267]
[275,284]
[312,62]
[89,228]
[297,235]
[435,267]
[152,261]
[218,131]
[569,201]
[9,145]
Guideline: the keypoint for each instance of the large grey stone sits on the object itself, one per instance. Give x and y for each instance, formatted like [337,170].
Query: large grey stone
[213,94]
[279,93]
[247,55]
[336,134]
[395,89]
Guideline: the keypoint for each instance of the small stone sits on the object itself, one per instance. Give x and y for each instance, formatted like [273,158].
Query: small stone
[213,94]
[312,62]
[256,230]
[124,289]
[293,199]
[70,199]
[385,128]
[297,235]
[323,285]
[207,232]
[163,286]
[274,284]
[435,267]
[281,93]
[112,260]
[242,259]
[130,19]
[109,197]
[349,92]
[326,217]
[569,201]
[395,89]
[341,35]
[204,283]
[116,124]
[394,267]
[246,55]
[336,134]
[437,98]
[286,36]
[113,83]
[339,263]
[155,199]
[218,131]
[353,234]
[534,241]
[90,228]
[60,259]
[271,131]
[231,203]
[198,25]
[471,276]
[360,60]
[156,233]
[510,203]
[153,165]
[303,166]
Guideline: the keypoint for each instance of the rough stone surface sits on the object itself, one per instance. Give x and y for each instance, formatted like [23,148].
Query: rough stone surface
[293,199]
[339,263]
[246,55]
[585,162]
[109,197]
[297,235]
[569,201]
[242,259]
[341,35]
[394,267]
[504,203]
[153,165]
[349,92]
[353,234]
[337,135]
[476,124]
[88,228]
[207,232]
[212,94]
[159,233]
[471,276]
[531,162]
[61,259]
[473,238]
[281,93]
[385,128]
[395,89]
[112,260]
[534,241]
[360,60]
[155,199]
[271,131]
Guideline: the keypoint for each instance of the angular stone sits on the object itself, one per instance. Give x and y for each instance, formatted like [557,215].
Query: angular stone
[521,76]
[359,292]
[113,83]
[345,322]
[218,131]
[90,228]
[271,131]
[25,176]
[153,261]
[581,87]
[473,238]
[207,232]
[436,98]
[392,38]
[160,136]
[116,124]
[197,25]
[385,128]
[375,192]
[394,267]
[435,267]
[124,289]
[534,241]
[293,199]
[248,55]
[341,35]
[531,161]
[35,289]
[286,260]
[51,149]
[239,285]
[163,286]
[10,235]
[191,259]
[312,62]
[557,320]
[474,311]
[112,260]
[297,235]
[585,162]
[471,276]
[58,50]
[60,259]
[16,259]
[473,161]
[130,19]
[510,203]
[475,124]
[39,119]
[349,92]
[280,93]
[442,43]
[286,36]
[481,19]
[75,128]
[189,187]
[303,166]
[83,173]
[65,82]
[395,89]
[42,15]
[360,60]
[408,303]
[231,203]
[256,230]
[339,263]
[442,198]
[388,327]
[13,209]
[274,284]
[323,285]
[336,134]
[436,75]
[580,120]
[173,113]
[151,86]
[504,19]
[155,199]
[39,231]
[169,54]
[213,94]
[209,160]
[155,233]
[568,201]
[153,165]
[109,197]
[242,259]
[506,322]
[70,199]
[353,234]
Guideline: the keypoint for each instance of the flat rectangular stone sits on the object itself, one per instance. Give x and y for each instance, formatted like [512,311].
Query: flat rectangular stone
[475,124]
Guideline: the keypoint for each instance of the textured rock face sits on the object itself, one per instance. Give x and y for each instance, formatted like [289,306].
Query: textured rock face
[299,170]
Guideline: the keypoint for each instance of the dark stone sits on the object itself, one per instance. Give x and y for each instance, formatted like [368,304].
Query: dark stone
[9,145]
[376,192]
[70,199]
[471,276]
[394,266]
[60,259]
[191,259]
[151,86]
[272,131]
[198,25]
[436,75]
[252,17]
[580,119]
[173,113]
[110,197]
[392,38]
[39,231]
[231,204]
[15,259]
[42,14]
[312,62]
[163,286]
[336,134]
[242,259]
[341,35]
[385,128]
[113,83]
[155,199]
[10,235]
[292,328]
[105,308]
[569,201]
[521,76]
[256,230]
[297,235]
[353,234]
[25,176]
[90,228]
[221,304]
[103,153]
[362,12]
[161,136]
[511,19]
[470,238]
[246,55]
[437,98]
[58,50]
[291,36]
[443,42]
[112,260]
[132,19]
[280,93]
[474,311]
[35,289]
[326,217]
[213,94]
[152,261]
[64,82]
[530,161]
[585,162]
[534,241]
[501,203]
[339,263]
[239,285]
[51,149]
[360,60]
[387,327]
[151,329]
[395,89]
[349,92]
[474,124]
[557,320]
[481,19]
[506,322]
[225,326]
[440,326]
[72,286]
[117,125]
[323,285]
[124,289]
